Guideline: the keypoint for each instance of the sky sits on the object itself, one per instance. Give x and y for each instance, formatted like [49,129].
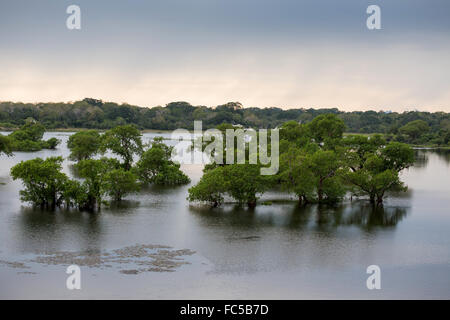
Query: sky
[262,53]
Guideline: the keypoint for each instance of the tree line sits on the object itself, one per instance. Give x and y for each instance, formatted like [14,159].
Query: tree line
[317,163]
[410,127]
[27,138]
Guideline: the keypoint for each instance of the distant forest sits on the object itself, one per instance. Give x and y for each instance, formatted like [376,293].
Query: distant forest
[94,113]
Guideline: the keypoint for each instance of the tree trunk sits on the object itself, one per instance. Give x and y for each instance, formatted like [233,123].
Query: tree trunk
[379,200]
[320,191]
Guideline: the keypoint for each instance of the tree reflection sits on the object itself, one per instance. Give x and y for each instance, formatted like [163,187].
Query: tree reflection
[443,154]
[321,218]
[370,217]
[45,230]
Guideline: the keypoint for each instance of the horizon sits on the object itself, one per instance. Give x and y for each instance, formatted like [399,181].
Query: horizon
[291,54]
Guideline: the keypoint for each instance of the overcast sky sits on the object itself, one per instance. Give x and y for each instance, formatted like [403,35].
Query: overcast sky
[262,53]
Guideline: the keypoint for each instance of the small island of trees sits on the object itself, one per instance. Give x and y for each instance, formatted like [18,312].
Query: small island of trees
[317,164]
[47,187]
[27,138]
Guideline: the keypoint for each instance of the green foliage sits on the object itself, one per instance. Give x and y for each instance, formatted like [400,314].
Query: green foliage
[397,156]
[360,147]
[244,181]
[51,143]
[44,182]
[414,129]
[46,186]
[325,166]
[380,171]
[292,132]
[94,172]
[125,141]
[327,129]
[117,183]
[294,175]
[5,145]
[75,194]
[210,189]
[240,181]
[29,138]
[84,144]
[96,114]
[33,131]
[156,167]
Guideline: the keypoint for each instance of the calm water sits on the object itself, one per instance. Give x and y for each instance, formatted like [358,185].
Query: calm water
[274,252]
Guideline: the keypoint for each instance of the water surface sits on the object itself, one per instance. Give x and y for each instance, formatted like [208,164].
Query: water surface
[277,251]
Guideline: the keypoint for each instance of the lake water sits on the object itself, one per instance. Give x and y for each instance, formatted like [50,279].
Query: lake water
[156,246]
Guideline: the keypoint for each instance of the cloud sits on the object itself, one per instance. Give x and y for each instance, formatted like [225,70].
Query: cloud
[261,53]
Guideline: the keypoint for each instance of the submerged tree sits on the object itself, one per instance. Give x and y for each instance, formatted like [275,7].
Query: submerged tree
[5,145]
[118,183]
[359,148]
[210,189]
[29,138]
[380,171]
[243,182]
[94,172]
[327,129]
[75,194]
[32,130]
[295,177]
[156,167]
[44,182]
[84,144]
[125,141]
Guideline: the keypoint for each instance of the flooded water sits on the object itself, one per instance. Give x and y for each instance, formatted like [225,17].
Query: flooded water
[156,246]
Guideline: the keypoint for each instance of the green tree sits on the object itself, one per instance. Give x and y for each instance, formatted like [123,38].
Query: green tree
[125,141]
[373,181]
[51,143]
[117,183]
[84,144]
[5,145]
[44,182]
[327,129]
[244,181]
[380,172]
[32,130]
[397,156]
[414,129]
[210,189]
[75,194]
[155,166]
[325,166]
[359,147]
[94,172]
[29,138]
[295,176]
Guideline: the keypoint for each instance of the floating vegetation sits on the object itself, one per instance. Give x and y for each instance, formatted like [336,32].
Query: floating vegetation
[148,258]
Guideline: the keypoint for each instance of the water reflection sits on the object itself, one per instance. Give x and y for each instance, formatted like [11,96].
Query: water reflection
[443,154]
[124,207]
[42,230]
[370,217]
[316,217]
[421,158]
